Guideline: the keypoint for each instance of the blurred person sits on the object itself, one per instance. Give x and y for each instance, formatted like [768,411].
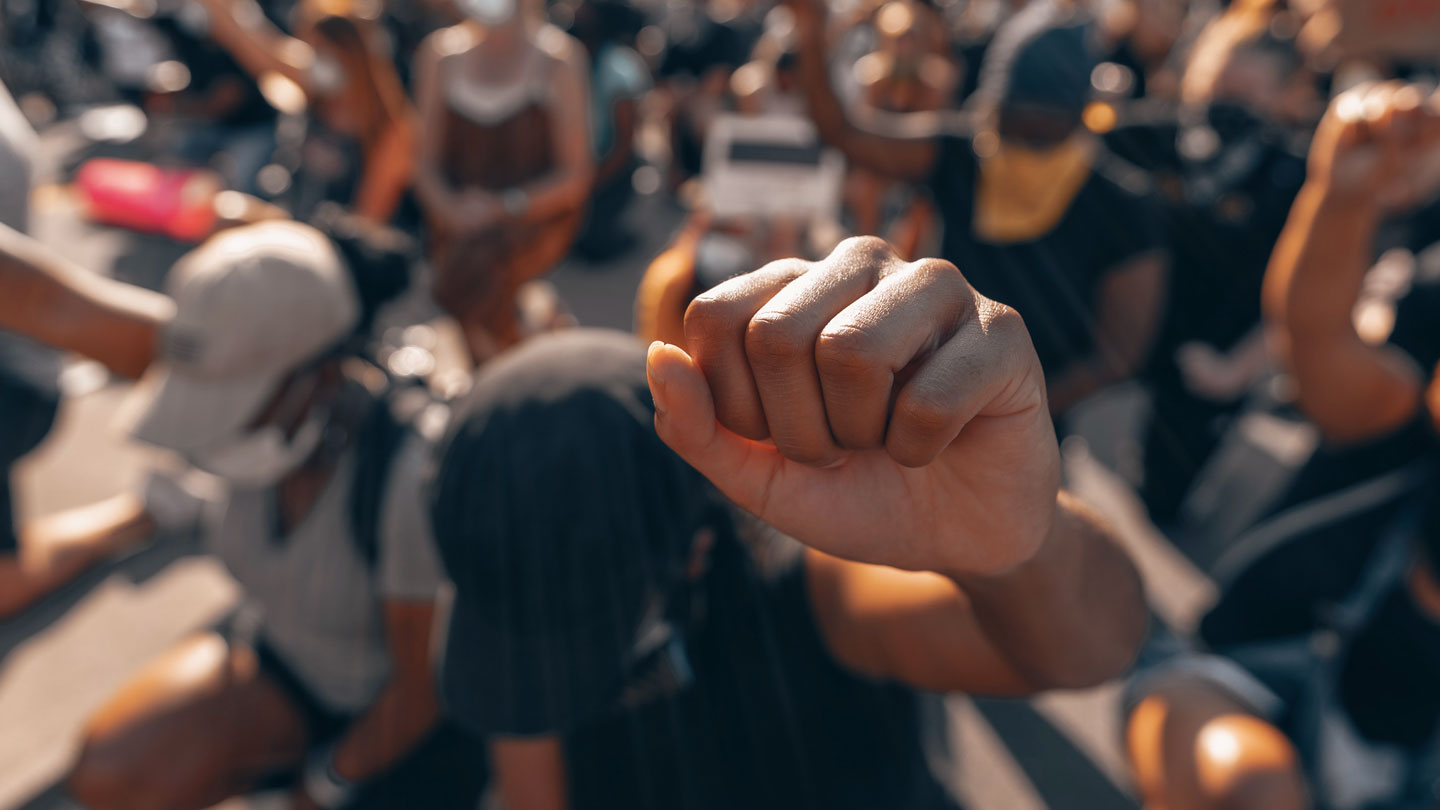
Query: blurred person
[904,74]
[410,23]
[619,80]
[1141,34]
[505,164]
[360,141]
[1230,162]
[38,556]
[707,42]
[207,109]
[1039,215]
[710,250]
[251,380]
[1314,679]
[624,636]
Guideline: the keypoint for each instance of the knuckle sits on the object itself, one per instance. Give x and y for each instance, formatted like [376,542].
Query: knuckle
[937,277]
[846,352]
[1002,323]
[776,337]
[710,316]
[870,252]
[924,413]
[938,271]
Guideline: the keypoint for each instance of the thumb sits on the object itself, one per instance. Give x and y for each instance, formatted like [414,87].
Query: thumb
[685,420]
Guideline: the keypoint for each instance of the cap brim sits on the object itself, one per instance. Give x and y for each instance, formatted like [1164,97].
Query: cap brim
[185,414]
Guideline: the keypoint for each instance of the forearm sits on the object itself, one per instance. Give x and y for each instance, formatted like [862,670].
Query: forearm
[1074,614]
[435,193]
[825,108]
[1354,391]
[55,302]
[241,28]
[396,722]
[558,193]
[614,163]
[1319,266]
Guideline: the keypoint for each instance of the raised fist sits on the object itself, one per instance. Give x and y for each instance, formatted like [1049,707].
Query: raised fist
[874,409]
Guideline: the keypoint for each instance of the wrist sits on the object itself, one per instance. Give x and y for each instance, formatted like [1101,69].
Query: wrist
[324,783]
[1040,531]
[1325,199]
[515,202]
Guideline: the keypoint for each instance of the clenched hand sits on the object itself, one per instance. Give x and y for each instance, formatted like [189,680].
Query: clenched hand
[876,410]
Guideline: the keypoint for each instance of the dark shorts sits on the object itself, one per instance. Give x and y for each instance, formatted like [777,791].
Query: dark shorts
[446,771]
[9,542]
[27,412]
[322,723]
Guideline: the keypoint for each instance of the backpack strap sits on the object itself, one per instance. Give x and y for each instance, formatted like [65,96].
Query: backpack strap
[394,417]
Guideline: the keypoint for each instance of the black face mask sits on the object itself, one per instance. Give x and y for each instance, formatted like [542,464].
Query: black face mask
[1233,122]
[1390,680]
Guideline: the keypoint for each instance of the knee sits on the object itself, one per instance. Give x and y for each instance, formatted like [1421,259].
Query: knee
[107,777]
[101,780]
[1244,763]
[1193,750]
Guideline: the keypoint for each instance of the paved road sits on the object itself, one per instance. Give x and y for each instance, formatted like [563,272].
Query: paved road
[58,662]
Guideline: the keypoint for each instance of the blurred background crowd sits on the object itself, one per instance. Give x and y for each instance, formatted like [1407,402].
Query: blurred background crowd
[1238,358]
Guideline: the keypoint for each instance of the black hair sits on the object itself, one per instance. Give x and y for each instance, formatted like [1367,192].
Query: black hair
[379,259]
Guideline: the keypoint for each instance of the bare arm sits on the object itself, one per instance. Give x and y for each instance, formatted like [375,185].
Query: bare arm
[788,401]
[627,121]
[1353,390]
[1128,313]
[440,199]
[406,709]
[530,773]
[389,171]
[240,27]
[566,188]
[53,301]
[1070,617]
[899,146]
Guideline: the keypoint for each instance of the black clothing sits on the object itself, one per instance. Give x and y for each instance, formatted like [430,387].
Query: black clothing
[28,404]
[1051,281]
[678,678]
[1221,217]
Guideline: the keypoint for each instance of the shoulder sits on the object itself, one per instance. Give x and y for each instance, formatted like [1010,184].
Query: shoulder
[445,44]
[563,50]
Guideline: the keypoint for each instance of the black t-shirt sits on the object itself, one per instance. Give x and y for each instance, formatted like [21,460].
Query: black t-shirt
[1221,219]
[1279,595]
[771,720]
[1051,281]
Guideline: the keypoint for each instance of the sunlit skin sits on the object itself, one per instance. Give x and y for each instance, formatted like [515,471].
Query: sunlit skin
[1191,746]
[893,420]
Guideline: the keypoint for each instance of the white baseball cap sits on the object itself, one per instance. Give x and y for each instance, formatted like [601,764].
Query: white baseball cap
[251,305]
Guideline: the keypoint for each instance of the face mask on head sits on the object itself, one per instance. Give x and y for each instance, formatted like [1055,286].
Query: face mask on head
[261,458]
[490,13]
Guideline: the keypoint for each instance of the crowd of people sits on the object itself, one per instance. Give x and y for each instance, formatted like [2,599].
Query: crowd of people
[727,571]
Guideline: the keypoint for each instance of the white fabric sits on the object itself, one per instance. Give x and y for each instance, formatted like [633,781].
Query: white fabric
[252,305]
[321,601]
